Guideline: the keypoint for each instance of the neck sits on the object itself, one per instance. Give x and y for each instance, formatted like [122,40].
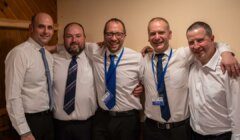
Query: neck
[209,54]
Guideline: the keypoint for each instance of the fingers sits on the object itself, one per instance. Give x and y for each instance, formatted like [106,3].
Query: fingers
[223,68]
[233,70]
[228,68]
[237,67]
[138,90]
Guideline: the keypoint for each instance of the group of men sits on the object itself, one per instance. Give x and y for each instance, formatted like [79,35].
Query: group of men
[93,91]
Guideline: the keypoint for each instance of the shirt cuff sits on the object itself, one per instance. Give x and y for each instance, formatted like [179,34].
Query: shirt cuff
[235,137]
[23,129]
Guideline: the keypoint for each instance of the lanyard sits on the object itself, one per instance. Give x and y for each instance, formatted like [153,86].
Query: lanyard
[105,65]
[164,70]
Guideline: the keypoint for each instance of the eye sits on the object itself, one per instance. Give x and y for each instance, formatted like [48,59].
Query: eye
[200,40]
[190,43]
[50,27]
[68,36]
[152,33]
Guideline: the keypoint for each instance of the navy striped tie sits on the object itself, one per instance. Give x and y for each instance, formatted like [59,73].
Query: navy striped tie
[70,91]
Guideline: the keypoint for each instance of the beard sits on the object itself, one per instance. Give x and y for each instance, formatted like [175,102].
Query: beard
[75,48]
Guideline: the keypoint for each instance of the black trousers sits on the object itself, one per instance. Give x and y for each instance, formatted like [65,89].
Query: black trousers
[119,126]
[73,130]
[41,125]
[224,136]
[181,132]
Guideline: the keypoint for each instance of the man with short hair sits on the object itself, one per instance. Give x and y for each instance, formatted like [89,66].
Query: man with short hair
[214,98]
[74,89]
[28,72]
[165,81]
[117,73]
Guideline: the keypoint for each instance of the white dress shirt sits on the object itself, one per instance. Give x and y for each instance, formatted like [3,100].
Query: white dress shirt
[127,76]
[214,99]
[85,98]
[26,83]
[176,82]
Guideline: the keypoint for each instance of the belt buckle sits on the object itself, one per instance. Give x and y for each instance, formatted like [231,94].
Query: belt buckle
[168,126]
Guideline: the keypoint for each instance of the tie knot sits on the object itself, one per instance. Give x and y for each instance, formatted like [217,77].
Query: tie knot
[74,57]
[42,50]
[112,56]
[160,55]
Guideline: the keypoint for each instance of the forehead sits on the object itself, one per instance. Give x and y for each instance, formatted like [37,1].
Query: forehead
[74,29]
[157,25]
[197,32]
[114,26]
[44,20]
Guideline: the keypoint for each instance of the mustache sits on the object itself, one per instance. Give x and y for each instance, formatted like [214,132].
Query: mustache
[74,43]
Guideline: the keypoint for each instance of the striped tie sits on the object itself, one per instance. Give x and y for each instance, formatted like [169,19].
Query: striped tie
[69,99]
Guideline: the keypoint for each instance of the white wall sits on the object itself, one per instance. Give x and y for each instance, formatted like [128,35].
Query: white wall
[222,15]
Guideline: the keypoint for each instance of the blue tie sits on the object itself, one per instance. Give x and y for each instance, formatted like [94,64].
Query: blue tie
[111,83]
[165,111]
[49,81]
[70,91]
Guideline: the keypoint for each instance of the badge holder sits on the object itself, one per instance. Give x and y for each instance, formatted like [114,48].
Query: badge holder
[107,97]
[158,102]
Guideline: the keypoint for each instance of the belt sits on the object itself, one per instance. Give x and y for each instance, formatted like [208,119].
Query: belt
[64,122]
[160,125]
[120,113]
[229,134]
[43,113]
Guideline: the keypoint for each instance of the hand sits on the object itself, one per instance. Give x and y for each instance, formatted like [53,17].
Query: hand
[138,90]
[100,44]
[27,137]
[230,64]
[146,50]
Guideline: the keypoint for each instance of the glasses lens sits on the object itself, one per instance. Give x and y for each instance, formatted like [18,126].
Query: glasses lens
[117,34]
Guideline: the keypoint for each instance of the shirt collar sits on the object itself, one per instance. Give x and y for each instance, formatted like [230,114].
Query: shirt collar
[117,54]
[166,52]
[213,62]
[35,44]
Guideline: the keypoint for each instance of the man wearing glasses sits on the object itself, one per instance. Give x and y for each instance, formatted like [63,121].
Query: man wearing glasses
[117,73]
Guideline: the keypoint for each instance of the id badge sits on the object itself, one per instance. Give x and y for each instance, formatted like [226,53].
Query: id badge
[107,97]
[159,101]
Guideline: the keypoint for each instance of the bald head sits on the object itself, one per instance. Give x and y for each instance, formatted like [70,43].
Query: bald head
[41,28]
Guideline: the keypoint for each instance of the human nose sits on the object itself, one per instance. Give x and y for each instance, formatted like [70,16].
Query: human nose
[74,39]
[195,45]
[114,37]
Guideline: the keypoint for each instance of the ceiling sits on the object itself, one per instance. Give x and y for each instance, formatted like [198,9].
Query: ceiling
[24,9]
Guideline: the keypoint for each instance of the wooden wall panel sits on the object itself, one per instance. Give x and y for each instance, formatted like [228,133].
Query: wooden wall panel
[24,9]
[21,11]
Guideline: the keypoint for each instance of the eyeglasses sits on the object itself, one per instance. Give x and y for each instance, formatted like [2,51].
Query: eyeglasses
[117,34]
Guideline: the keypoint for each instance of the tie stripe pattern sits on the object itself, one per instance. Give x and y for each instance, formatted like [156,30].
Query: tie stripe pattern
[70,91]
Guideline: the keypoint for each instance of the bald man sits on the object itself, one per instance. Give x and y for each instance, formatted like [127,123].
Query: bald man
[28,72]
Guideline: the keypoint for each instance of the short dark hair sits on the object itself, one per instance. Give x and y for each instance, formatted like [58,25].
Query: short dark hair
[200,24]
[33,19]
[114,20]
[158,19]
[73,23]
